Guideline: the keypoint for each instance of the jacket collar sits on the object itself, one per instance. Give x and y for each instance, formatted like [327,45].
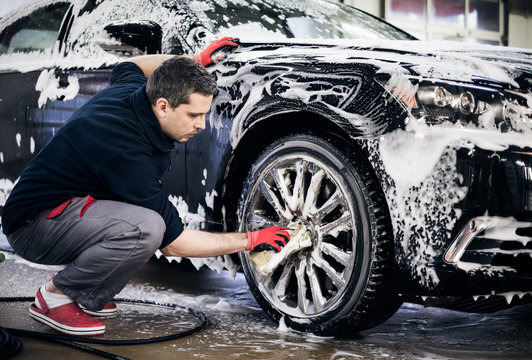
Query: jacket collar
[149,121]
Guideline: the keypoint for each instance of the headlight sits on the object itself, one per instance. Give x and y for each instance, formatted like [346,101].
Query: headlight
[438,104]
[472,106]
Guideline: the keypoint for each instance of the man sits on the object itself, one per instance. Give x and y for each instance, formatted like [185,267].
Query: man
[92,197]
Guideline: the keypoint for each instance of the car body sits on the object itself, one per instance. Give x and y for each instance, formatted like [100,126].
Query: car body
[407,164]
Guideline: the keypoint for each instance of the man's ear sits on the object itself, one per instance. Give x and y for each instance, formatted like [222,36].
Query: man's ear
[161,107]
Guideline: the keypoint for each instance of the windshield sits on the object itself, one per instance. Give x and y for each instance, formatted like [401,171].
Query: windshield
[307,19]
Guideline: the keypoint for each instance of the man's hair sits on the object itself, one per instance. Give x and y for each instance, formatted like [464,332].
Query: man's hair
[177,78]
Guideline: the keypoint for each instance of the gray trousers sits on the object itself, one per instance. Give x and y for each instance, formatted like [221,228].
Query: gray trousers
[102,249]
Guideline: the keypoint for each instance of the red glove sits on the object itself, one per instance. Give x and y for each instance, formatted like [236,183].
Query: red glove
[209,56]
[271,238]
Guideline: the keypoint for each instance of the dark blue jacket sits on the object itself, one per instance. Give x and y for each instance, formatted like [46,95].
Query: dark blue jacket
[112,148]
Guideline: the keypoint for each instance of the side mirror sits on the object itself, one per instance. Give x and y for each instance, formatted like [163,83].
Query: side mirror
[131,38]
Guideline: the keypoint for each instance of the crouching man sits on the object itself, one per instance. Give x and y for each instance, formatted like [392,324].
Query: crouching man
[92,198]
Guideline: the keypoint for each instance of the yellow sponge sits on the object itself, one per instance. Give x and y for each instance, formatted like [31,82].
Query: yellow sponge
[267,261]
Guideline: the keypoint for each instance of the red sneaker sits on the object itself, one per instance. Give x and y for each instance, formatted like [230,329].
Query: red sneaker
[68,319]
[110,310]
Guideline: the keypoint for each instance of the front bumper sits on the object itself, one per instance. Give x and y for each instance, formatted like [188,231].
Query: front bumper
[490,249]
[496,231]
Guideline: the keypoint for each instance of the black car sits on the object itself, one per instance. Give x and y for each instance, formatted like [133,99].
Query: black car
[404,166]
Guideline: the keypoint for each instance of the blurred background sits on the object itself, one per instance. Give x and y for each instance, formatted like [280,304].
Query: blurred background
[502,22]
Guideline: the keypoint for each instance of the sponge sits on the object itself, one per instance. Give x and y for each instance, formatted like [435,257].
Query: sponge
[268,260]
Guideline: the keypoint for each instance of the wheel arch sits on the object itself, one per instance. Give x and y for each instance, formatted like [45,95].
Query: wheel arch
[263,132]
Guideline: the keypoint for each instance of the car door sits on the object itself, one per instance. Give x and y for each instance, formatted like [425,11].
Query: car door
[28,44]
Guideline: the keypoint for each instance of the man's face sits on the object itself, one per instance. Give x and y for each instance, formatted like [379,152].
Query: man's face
[186,120]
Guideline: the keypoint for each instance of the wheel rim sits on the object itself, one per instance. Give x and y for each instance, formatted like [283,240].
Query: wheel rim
[299,189]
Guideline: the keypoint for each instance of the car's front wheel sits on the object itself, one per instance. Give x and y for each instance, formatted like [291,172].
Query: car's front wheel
[340,281]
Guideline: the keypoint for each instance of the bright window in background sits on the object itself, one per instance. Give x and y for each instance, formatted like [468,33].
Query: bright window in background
[484,15]
[462,20]
[448,12]
[409,9]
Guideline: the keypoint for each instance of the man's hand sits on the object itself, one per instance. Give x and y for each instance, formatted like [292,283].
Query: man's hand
[216,51]
[271,238]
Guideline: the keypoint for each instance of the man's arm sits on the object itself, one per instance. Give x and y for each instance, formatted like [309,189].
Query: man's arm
[195,243]
[148,63]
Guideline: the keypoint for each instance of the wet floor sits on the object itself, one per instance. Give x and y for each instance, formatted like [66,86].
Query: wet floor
[238,329]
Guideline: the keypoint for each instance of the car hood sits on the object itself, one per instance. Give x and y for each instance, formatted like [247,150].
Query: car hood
[506,67]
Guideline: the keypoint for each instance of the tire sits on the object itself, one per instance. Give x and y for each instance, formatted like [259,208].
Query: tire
[342,282]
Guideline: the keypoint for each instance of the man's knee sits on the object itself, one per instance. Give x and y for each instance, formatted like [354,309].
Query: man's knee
[152,230]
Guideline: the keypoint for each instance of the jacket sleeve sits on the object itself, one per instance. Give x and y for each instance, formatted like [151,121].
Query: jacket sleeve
[127,72]
[133,178]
